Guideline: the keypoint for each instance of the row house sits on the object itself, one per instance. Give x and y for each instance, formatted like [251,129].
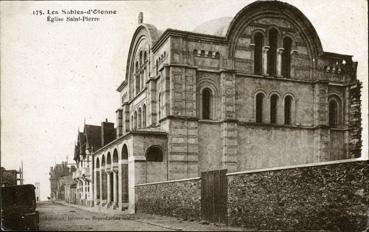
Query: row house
[90,140]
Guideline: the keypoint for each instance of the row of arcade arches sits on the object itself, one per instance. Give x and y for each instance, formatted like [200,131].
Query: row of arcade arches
[111,175]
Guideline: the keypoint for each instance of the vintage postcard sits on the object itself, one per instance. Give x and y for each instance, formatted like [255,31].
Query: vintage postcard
[184,115]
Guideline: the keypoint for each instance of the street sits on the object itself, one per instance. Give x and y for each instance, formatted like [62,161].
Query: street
[58,217]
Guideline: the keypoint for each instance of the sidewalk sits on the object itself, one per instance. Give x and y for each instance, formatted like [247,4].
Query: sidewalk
[181,225]
[165,222]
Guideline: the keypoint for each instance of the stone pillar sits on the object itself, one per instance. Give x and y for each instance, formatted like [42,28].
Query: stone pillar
[265,60]
[119,114]
[228,95]
[115,185]
[229,126]
[101,186]
[126,118]
[230,146]
[97,184]
[279,61]
[321,133]
[355,135]
[120,192]
[152,104]
[108,188]
[95,187]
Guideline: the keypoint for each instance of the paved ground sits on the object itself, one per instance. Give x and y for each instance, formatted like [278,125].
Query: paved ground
[62,217]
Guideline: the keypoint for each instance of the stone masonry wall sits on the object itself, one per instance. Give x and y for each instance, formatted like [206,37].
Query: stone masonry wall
[334,197]
[178,198]
[355,120]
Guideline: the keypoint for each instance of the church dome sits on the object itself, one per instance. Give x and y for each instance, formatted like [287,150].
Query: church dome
[216,27]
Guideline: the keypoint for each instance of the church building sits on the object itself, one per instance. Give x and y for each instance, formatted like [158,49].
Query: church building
[249,92]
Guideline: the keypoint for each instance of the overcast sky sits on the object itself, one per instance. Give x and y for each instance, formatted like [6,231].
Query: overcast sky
[55,75]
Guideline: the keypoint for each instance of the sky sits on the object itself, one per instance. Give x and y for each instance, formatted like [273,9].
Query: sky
[55,76]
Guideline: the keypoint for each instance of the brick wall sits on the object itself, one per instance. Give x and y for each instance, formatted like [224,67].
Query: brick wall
[333,197]
[173,198]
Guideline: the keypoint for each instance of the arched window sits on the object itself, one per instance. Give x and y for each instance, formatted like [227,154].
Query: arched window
[138,83]
[108,159]
[258,49]
[124,152]
[154,154]
[97,163]
[206,103]
[287,110]
[132,123]
[273,108]
[142,81]
[273,36]
[144,116]
[286,57]
[139,120]
[259,107]
[115,156]
[135,120]
[141,58]
[145,57]
[333,113]
[103,161]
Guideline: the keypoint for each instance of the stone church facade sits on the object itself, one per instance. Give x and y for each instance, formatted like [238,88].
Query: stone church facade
[250,92]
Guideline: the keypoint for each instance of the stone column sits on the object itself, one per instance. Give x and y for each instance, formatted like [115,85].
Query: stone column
[100,186]
[95,187]
[126,123]
[108,188]
[115,185]
[279,61]
[265,60]
[119,114]
[120,192]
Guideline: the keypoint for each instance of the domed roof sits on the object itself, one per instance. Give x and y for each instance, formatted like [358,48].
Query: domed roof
[153,32]
[216,27]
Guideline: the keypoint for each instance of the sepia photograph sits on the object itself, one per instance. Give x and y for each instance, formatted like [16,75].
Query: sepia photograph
[184,115]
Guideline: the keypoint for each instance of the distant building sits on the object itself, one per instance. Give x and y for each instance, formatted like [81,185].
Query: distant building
[70,193]
[57,180]
[9,177]
[37,191]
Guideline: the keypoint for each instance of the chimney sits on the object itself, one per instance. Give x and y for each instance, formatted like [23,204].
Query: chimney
[107,132]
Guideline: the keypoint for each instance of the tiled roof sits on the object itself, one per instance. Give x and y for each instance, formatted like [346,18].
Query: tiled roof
[93,136]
